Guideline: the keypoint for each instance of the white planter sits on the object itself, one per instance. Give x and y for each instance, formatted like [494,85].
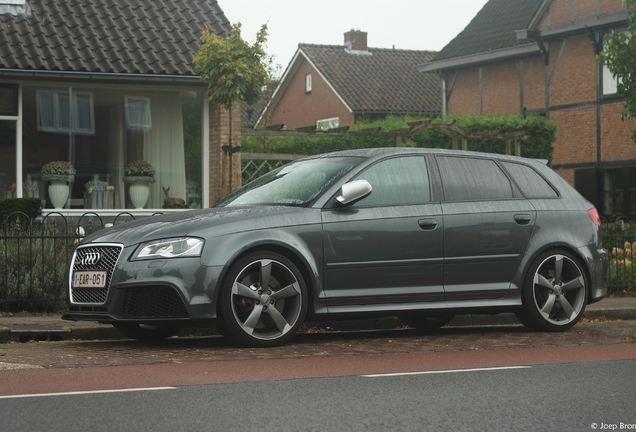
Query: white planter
[58,193]
[139,193]
[139,189]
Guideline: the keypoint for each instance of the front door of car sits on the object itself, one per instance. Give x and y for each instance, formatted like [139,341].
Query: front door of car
[387,248]
[487,227]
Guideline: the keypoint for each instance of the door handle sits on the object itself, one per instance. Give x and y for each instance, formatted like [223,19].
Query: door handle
[427,224]
[523,219]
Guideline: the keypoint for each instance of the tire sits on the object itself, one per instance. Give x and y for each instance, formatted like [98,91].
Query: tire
[263,301]
[145,332]
[554,292]
[427,322]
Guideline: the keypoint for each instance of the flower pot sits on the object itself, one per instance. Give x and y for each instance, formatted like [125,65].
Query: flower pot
[58,193]
[139,193]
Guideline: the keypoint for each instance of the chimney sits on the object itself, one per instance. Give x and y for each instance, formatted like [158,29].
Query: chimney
[356,40]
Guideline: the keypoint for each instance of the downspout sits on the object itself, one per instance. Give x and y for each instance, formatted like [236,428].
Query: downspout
[18,144]
[444,101]
[597,43]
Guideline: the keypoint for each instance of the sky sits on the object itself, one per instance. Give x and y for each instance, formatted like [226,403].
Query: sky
[403,24]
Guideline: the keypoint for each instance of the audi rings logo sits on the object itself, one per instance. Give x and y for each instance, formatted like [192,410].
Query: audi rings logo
[90,259]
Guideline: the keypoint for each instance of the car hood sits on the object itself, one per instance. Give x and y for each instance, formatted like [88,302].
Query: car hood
[204,223]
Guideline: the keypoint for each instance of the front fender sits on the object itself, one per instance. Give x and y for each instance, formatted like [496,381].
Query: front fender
[302,244]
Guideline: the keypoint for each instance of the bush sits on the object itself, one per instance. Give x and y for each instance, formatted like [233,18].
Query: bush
[33,266]
[542,134]
[29,206]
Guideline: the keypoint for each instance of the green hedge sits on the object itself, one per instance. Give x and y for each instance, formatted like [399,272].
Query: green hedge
[28,206]
[542,134]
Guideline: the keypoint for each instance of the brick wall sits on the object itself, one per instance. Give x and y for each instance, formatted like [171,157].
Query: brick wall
[297,108]
[562,11]
[576,136]
[534,83]
[575,76]
[501,88]
[572,100]
[225,170]
[465,96]
[616,134]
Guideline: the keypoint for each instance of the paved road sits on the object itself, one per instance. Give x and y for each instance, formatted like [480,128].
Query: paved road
[87,365]
[583,396]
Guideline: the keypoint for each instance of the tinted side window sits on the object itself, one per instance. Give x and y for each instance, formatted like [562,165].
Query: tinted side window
[397,181]
[468,179]
[532,185]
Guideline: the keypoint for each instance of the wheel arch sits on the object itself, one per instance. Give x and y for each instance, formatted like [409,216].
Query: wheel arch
[576,254]
[303,260]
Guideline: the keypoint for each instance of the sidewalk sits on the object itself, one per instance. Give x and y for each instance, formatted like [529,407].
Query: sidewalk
[46,327]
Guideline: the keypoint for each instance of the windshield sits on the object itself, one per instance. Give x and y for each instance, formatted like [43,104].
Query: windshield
[296,184]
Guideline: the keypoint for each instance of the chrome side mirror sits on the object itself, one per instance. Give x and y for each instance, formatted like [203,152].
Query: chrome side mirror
[354,191]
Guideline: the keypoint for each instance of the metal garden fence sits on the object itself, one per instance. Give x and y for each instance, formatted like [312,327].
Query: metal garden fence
[35,254]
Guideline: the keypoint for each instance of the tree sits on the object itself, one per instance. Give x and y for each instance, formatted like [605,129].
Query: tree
[236,71]
[619,55]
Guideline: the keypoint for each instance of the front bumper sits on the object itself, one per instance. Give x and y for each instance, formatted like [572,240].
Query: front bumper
[165,291]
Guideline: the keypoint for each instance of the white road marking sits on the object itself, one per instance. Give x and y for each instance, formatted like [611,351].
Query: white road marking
[443,371]
[86,392]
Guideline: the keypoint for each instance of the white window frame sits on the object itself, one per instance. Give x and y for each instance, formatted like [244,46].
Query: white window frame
[308,83]
[328,123]
[610,81]
[74,125]
[139,101]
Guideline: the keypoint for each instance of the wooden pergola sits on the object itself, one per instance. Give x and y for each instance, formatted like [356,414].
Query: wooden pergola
[403,136]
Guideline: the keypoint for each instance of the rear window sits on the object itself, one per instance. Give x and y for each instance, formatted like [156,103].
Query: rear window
[472,179]
[531,183]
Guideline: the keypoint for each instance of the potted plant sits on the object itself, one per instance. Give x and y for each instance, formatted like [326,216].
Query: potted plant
[139,174]
[58,173]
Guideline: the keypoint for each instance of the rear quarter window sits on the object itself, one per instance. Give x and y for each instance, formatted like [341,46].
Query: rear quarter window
[531,183]
[473,179]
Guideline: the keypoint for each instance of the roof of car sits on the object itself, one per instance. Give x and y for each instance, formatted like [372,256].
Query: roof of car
[388,151]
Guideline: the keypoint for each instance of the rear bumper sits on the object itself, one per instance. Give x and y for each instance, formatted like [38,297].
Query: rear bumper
[598,264]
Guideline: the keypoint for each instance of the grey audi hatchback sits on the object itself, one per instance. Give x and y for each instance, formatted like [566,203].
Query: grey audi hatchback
[415,233]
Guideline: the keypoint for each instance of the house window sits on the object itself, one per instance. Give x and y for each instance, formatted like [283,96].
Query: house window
[55,108]
[610,82]
[619,191]
[308,83]
[138,113]
[174,145]
[328,123]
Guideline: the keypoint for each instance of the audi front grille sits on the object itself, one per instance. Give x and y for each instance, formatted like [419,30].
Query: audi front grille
[94,258]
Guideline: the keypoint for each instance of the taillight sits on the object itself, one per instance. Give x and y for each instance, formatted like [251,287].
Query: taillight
[593,214]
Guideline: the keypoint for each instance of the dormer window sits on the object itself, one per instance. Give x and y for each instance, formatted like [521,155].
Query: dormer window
[308,83]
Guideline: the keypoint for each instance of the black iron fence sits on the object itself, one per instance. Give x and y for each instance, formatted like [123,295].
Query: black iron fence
[35,254]
[619,239]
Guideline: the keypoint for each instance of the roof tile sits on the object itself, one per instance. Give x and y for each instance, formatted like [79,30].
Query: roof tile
[109,36]
[492,28]
[382,80]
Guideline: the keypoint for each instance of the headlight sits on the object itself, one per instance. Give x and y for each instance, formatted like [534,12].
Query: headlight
[170,248]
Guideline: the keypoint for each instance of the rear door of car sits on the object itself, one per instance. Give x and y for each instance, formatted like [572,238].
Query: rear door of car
[487,227]
[387,248]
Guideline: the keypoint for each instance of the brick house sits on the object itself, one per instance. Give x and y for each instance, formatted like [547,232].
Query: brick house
[330,86]
[104,83]
[539,57]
